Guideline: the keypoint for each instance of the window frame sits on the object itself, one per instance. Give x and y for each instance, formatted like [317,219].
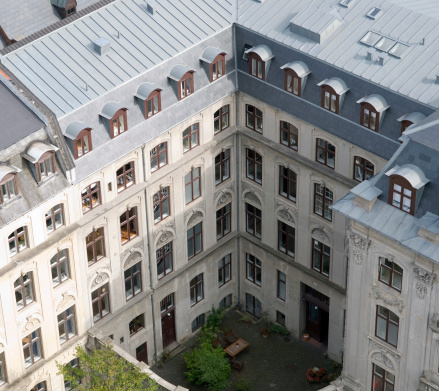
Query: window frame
[281,283]
[253,162]
[251,110]
[388,322]
[150,98]
[391,270]
[321,250]
[326,201]
[101,296]
[66,318]
[193,130]
[253,269]
[288,238]
[62,257]
[163,256]
[291,183]
[224,219]
[124,176]
[128,221]
[192,236]
[49,168]
[83,134]
[372,113]
[326,89]
[16,239]
[192,180]
[387,384]
[52,216]
[366,172]
[158,153]
[5,185]
[22,289]
[137,326]
[40,386]
[219,118]
[294,76]
[89,194]
[195,286]
[30,345]
[160,202]
[95,239]
[404,125]
[216,60]
[253,219]
[3,373]
[326,151]
[405,186]
[131,279]
[225,270]
[198,322]
[222,166]
[256,66]
[291,134]
[184,79]
[116,117]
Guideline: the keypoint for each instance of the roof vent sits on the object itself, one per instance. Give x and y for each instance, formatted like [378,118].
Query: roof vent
[374,13]
[346,3]
[437,79]
[102,45]
[369,56]
[381,60]
[150,6]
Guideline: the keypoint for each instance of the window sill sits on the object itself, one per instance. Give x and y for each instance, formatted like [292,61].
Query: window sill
[375,342]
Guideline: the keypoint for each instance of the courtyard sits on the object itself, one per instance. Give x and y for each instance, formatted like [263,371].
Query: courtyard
[275,363]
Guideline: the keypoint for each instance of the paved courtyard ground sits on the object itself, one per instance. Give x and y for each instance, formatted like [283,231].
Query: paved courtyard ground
[275,363]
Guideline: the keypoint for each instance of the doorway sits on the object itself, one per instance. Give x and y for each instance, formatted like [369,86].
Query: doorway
[142,353]
[253,305]
[317,314]
[167,310]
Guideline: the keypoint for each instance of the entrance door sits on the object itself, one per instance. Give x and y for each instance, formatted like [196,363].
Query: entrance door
[253,305]
[168,320]
[317,314]
[142,353]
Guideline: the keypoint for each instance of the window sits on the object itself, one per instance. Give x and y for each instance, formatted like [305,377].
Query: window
[128,225]
[66,325]
[167,303]
[221,119]
[17,241]
[370,118]
[24,290]
[71,11]
[254,166]
[164,260]
[289,135]
[253,118]
[68,383]
[138,323]
[100,302]
[223,221]
[222,166]
[125,177]
[197,290]
[321,256]
[253,220]
[197,322]
[32,348]
[224,270]
[45,167]
[325,153]
[194,240]
[59,265]
[190,138]
[280,318]
[292,82]
[186,85]
[159,156]
[402,195]
[387,324]
[281,285]
[8,188]
[382,380]
[226,301]
[253,305]
[95,246]
[390,273]
[254,270]
[118,124]
[153,104]
[82,143]
[218,67]
[192,184]
[41,386]
[323,198]
[363,169]
[330,99]
[286,238]
[161,204]
[133,281]
[2,369]
[54,218]
[256,66]
[287,183]
[91,197]
[405,125]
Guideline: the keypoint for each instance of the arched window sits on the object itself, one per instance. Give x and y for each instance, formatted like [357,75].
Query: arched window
[289,135]
[333,91]
[363,169]
[153,103]
[402,195]
[387,325]
[325,152]
[186,85]
[54,218]
[292,82]
[218,67]
[390,273]
[118,123]
[8,187]
[24,290]
[373,108]
[95,246]
[17,241]
[91,197]
[83,143]
[256,66]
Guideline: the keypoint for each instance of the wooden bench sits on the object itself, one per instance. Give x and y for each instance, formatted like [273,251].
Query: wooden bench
[230,337]
[236,364]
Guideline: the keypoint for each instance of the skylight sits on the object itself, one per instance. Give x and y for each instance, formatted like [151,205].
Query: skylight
[374,13]
[370,38]
[384,44]
[398,49]
[346,3]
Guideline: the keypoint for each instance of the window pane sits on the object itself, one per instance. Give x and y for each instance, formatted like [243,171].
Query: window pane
[381,328]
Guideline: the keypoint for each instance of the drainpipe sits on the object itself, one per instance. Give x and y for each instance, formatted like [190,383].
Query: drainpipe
[149,255]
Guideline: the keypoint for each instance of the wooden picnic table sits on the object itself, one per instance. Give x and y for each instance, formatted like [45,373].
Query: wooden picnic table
[238,346]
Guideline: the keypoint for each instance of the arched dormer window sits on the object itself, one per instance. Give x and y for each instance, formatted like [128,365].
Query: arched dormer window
[259,59]
[184,77]
[150,96]
[410,119]
[295,75]
[8,183]
[42,157]
[116,118]
[406,184]
[78,136]
[333,92]
[373,108]
[215,60]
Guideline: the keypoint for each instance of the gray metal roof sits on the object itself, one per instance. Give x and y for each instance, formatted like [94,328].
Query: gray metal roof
[412,75]
[74,128]
[145,89]
[65,72]
[178,71]
[210,53]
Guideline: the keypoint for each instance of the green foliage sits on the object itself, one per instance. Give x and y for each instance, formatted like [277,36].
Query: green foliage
[246,318]
[215,317]
[277,328]
[243,384]
[104,370]
[207,365]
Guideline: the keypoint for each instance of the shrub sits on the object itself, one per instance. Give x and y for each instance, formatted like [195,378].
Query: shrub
[215,317]
[243,384]
[277,328]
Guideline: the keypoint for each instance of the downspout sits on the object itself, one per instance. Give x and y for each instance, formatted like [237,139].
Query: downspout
[149,256]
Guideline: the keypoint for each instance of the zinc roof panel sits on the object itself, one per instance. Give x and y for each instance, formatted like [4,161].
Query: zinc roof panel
[270,19]
[219,10]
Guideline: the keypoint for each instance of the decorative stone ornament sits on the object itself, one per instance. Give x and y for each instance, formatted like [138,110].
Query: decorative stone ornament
[67,301]
[359,247]
[423,281]
[392,301]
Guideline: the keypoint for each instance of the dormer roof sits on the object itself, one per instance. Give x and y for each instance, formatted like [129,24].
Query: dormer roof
[178,71]
[210,53]
[413,174]
[74,128]
[110,109]
[377,101]
[337,84]
[145,89]
[263,51]
[38,149]
[299,67]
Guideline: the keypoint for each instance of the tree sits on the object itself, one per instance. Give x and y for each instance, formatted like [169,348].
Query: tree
[104,370]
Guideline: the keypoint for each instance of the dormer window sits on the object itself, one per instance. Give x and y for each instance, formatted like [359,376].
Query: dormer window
[8,183]
[410,119]
[116,116]
[373,108]
[259,59]
[215,61]
[333,92]
[406,184]
[295,75]
[184,77]
[150,96]
[78,136]
[65,8]
[42,157]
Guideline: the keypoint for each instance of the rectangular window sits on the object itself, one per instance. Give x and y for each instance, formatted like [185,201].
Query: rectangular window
[192,185]
[95,246]
[100,301]
[363,169]
[138,323]
[223,221]
[325,153]
[197,322]
[286,238]
[390,274]
[161,205]
[164,260]
[254,166]
[253,118]
[24,290]
[387,325]
[59,265]
[221,119]
[17,241]
[91,197]
[46,166]
[287,183]
[323,198]
[128,225]
[8,188]
[222,166]
[254,270]
[253,220]
[321,255]
[67,383]
[280,318]
[133,281]
[194,240]
[382,380]
[66,325]
[281,285]
[226,301]
[153,104]
[191,138]
[289,135]
[32,348]
[125,177]
[196,289]
[225,270]
[54,218]
[159,156]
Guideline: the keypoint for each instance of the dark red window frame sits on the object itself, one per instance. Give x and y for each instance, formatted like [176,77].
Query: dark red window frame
[366,119]
[156,155]
[193,182]
[196,286]
[93,195]
[186,81]
[137,324]
[222,166]
[382,380]
[405,187]
[115,121]
[364,168]
[95,238]
[221,119]
[103,292]
[253,269]
[125,177]
[225,270]
[193,237]
[327,198]
[128,225]
[159,199]
[15,237]
[253,221]
[47,161]
[392,269]
[132,274]
[327,150]
[79,142]
[388,321]
[253,167]
[287,238]
[281,282]
[333,104]
[224,221]
[215,72]
[192,131]
[256,66]
[287,183]
[156,107]
[320,253]
[290,87]
[289,135]
[254,118]
[8,183]
[162,254]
